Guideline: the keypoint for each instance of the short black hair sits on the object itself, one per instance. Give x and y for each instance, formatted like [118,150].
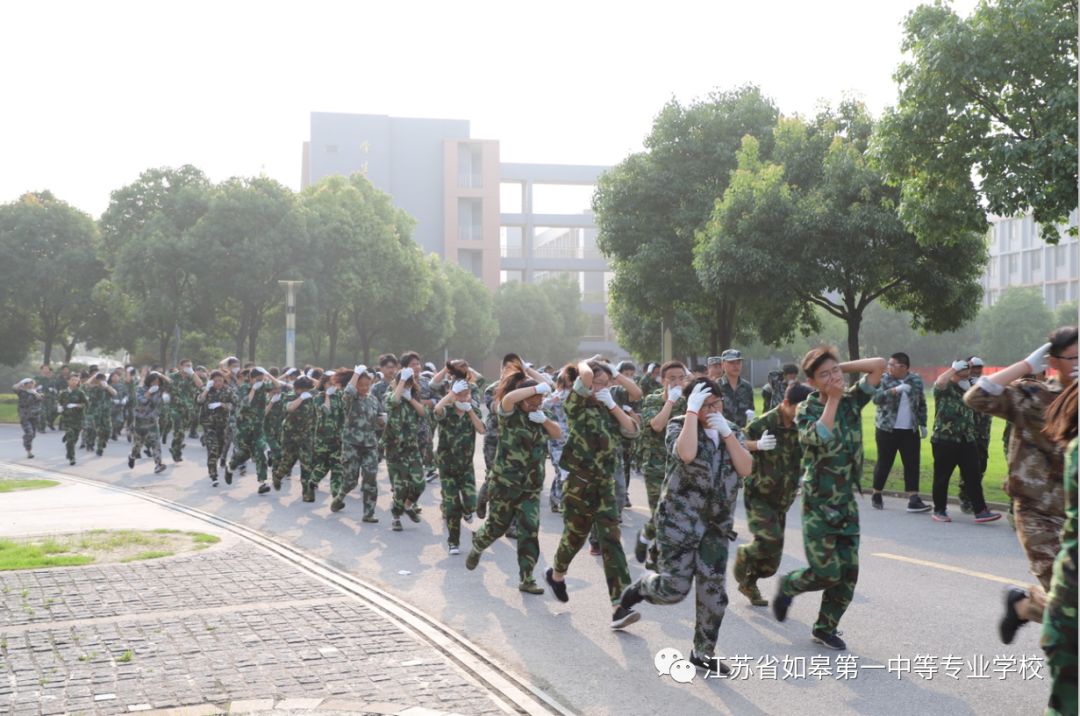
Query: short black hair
[387,359]
[1061,339]
[789,369]
[902,359]
[815,357]
[797,393]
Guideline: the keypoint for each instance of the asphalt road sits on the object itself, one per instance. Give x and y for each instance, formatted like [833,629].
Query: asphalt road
[920,632]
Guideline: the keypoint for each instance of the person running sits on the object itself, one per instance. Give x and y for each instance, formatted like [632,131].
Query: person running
[1036,464]
[589,495]
[554,405]
[458,420]
[695,518]
[830,431]
[119,403]
[769,491]
[273,419]
[70,406]
[328,430]
[249,442]
[216,400]
[31,406]
[401,441]
[983,427]
[99,412]
[517,472]
[953,444]
[360,443]
[298,432]
[900,424]
[149,400]
[186,384]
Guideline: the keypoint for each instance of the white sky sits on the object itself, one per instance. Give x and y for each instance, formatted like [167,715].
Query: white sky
[96,92]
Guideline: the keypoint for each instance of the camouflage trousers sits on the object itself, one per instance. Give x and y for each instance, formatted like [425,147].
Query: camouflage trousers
[117,421]
[406,480]
[555,453]
[293,450]
[512,504]
[654,481]
[1058,640]
[326,458]
[29,425]
[833,570]
[249,445]
[458,486]
[766,517]
[427,444]
[98,430]
[1040,536]
[146,435]
[71,438]
[702,563]
[273,442]
[589,500]
[359,461]
[180,417]
[214,439]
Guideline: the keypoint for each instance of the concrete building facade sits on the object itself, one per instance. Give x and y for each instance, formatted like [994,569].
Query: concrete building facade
[1019,256]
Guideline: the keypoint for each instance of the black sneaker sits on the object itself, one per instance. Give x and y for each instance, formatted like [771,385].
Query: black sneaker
[413,514]
[641,549]
[263,488]
[337,504]
[915,504]
[780,604]
[832,641]
[160,467]
[711,664]
[228,475]
[557,588]
[99,453]
[431,475]
[623,617]
[631,597]
[131,462]
[308,492]
[213,482]
[1010,622]
[876,501]
[395,524]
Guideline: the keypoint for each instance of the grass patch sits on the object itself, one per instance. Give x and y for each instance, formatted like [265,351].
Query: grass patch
[203,538]
[166,531]
[126,657]
[11,485]
[9,408]
[99,546]
[16,555]
[147,555]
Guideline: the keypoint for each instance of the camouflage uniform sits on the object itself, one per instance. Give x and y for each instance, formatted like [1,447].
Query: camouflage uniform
[649,385]
[215,423]
[889,438]
[147,414]
[516,479]
[249,441]
[832,466]
[328,426]
[772,393]
[769,492]
[131,388]
[693,527]
[31,407]
[1059,623]
[425,435]
[117,408]
[1035,485]
[953,445]
[457,445]
[553,406]
[48,403]
[298,442]
[652,456]
[379,389]
[181,406]
[737,400]
[71,419]
[273,423]
[491,441]
[360,447]
[403,461]
[589,492]
[98,419]
[624,454]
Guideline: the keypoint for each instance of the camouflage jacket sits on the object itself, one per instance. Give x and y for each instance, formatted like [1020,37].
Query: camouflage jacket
[954,422]
[832,461]
[30,404]
[555,406]
[330,420]
[299,425]
[363,420]
[888,402]
[1063,590]
[218,417]
[651,448]
[983,426]
[457,439]
[252,410]
[737,400]
[275,414]
[72,417]
[100,401]
[519,458]
[776,472]
[1035,462]
[774,390]
[648,385]
[402,427]
[698,496]
[147,406]
[491,424]
[594,435]
[183,391]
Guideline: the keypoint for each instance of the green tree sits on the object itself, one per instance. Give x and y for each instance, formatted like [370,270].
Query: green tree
[1017,324]
[475,327]
[1065,315]
[992,96]
[542,322]
[426,327]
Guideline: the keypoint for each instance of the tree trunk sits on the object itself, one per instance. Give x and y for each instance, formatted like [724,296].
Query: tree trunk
[364,336]
[69,350]
[854,321]
[48,337]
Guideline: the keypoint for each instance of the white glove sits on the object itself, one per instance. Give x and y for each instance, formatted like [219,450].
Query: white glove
[464,407]
[360,368]
[166,398]
[214,406]
[153,389]
[405,374]
[716,422]
[59,408]
[331,390]
[460,386]
[750,415]
[902,388]
[1037,360]
[627,409]
[964,384]
[765,442]
[189,371]
[922,431]
[406,394]
[959,365]
[542,389]
[72,406]
[275,397]
[537,416]
[123,401]
[697,397]
[257,385]
[604,396]
[674,393]
[305,396]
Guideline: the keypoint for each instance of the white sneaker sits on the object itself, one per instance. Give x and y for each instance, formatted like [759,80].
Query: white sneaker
[468,518]
[454,549]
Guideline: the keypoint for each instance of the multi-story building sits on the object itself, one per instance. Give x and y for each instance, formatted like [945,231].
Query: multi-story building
[502,222]
[1019,256]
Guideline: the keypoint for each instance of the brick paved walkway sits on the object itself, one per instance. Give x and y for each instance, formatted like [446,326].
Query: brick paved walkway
[229,628]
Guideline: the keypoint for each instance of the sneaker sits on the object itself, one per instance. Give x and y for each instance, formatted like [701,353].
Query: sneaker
[942,517]
[337,505]
[177,458]
[876,501]
[472,559]
[594,550]
[832,641]
[711,664]
[413,514]
[751,592]
[29,455]
[276,480]
[556,508]
[780,604]
[71,461]
[1010,622]
[557,588]
[213,482]
[915,504]
[395,525]
[623,617]
[370,518]
[308,492]
[987,516]
[160,467]
[529,586]
[468,517]
[99,453]
[641,548]
[431,475]
[631,596]
[165,438]
[263,488]
[454,550]
[131,462]
[965,505]
[228,475]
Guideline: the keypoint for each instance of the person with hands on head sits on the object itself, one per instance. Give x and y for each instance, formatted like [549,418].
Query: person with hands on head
[900,424]
[695,518]
[457,417]
[404,409]
[148,405]
[983,426]
[596,421]
[217,400]
[274,417]
[364,420]
[186,385]
[298,434]
[99,412]
[830,432]
[70,405]
[330,420]
[554,406]
[31,405]
[517,472]
[250,443]
[1036,464]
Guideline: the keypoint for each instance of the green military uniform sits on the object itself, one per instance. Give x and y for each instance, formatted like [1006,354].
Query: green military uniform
[130,390]
[694,521]
[589,492]
[273,423]
[772,393]
[737,400]
[328,426]
[117,407]
[147,417]
[298,441]
[47,414]
[31,407]
[71,404]
[514,484]
[181,406]
[360,447]
[457,445]
[1059,619]
[403,462]
[98,419]
[624,455]
[832,468]
[250,444]
[652,456]
[953,445]
[648,384]
[217,405]
[768,494]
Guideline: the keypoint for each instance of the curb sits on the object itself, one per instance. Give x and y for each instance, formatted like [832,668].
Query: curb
[1000,506]
[517,695]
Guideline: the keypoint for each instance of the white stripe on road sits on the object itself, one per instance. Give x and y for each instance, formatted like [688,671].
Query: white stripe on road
[946,567]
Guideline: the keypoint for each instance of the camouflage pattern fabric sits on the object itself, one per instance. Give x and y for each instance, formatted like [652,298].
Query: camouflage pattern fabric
[71,419]
[360,446]
[248,440]
[553,406]
[298,440]
[97,420]
[181,406]
[146,431]
[30,409]
[457,445]
[327,453]
[652,456]
[737,400]
[215,423]
[954,421]
[772,393]
[888,402]
[403,460]
[273,425]
[1058,638]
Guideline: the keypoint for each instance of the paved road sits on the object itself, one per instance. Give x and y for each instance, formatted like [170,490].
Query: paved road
[921,630]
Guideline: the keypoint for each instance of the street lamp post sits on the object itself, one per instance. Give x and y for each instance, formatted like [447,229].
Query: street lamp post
[290,321]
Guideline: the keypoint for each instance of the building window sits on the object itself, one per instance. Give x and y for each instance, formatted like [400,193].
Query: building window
[470,219]
[1060,255]
[471,260]
[470,166]
[1060,294]
[510,242]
